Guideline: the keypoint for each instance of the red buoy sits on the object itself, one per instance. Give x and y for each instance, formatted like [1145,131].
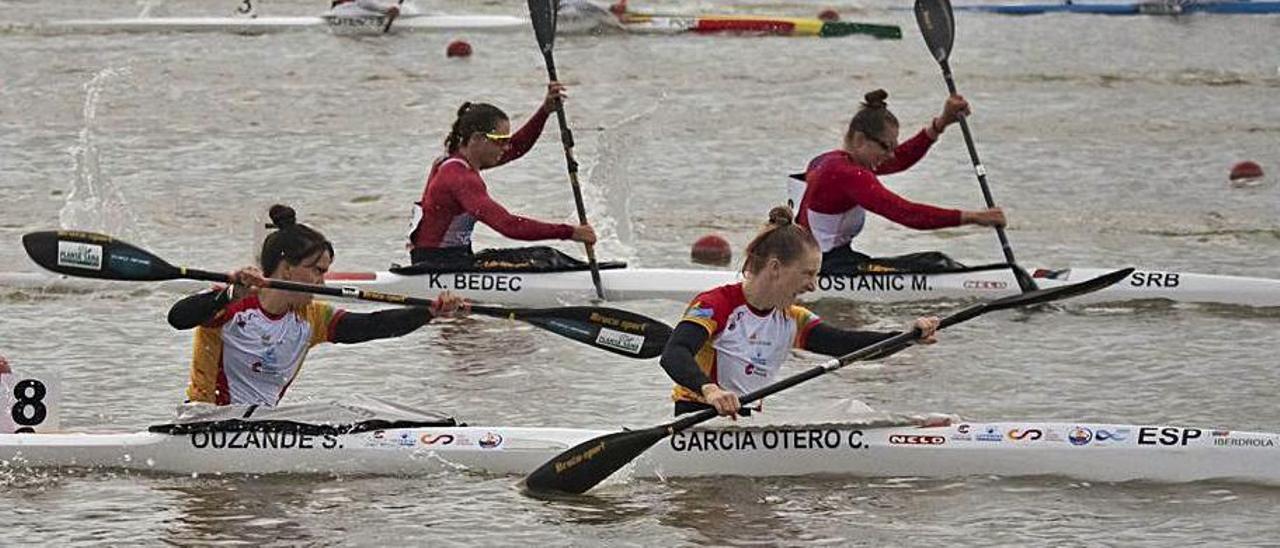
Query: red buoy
[1245,171]
[829,15]
[712,250]
[458,48]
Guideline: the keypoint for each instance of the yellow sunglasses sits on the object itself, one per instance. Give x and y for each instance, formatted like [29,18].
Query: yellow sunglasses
[498,138]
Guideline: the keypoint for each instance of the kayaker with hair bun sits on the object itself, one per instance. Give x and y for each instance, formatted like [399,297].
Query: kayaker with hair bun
[455,196]
[842,186]
[734,339]
[250,340]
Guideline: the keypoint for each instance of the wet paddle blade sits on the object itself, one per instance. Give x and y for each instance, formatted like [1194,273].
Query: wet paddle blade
[618,331]
[543,15]
[938,26]
[585,465]
[93,255]
[1039,296]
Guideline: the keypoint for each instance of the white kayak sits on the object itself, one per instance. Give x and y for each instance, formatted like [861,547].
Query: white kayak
[986,282]
[628,284]
[1080,451]
[261,25]
[638,23]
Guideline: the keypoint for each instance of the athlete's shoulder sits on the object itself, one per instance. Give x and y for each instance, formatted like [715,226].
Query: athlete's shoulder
[715,304]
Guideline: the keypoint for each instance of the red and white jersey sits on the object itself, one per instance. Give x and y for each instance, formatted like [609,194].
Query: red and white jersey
[455,197]
[746,347]
[246,355]
[839,192]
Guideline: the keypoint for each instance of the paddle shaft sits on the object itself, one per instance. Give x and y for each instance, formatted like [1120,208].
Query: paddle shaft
[386,27]
[566,139]
[345,292]
[1024,281]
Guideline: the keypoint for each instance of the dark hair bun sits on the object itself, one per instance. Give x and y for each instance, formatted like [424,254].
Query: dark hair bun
[463,109]
[781,216]
[876,99]
[282,217]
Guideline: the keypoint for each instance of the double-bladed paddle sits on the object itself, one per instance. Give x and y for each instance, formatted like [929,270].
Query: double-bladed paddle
[543,15]
[938,25]
[92,255]
[582,467]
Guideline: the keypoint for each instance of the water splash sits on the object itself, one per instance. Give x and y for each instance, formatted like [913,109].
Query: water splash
[610,191]
[94,202]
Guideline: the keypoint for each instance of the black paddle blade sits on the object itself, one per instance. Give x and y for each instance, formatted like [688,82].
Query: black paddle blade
[618,331]
[1039,296]
[93,255]
[585,465]
[543,15]
[938,26]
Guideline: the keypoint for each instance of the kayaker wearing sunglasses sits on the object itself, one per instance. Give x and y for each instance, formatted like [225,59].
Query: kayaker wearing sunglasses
[456,197]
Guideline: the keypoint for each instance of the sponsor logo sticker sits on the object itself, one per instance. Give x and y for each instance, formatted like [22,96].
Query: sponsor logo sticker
[1104,435]
[80,255]
[1028,434]
[490,440]
[985,284]
[1080,436]
[912,439]
[990,433]
[625,342]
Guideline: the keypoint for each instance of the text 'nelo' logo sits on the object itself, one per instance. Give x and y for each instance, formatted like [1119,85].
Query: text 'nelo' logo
[912,439]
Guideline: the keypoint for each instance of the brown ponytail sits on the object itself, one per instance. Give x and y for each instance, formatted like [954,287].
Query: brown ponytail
[873,117]
[782,239]
[291,241]
[472,118]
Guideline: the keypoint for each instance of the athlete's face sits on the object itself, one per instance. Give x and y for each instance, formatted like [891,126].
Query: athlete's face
[492,145]
[787,282]
[873,150]
[310,271]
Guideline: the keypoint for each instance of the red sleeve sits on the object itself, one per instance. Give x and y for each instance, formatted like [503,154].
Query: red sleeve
[474,199]
[524,139]
[867,191]
[907,154]
[710,310]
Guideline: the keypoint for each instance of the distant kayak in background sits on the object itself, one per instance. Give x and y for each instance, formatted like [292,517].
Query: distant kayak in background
[575,18]
[1237,7]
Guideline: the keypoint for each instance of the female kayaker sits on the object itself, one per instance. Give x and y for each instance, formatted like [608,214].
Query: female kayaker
[455,196]
[841,186]
[250,344]
[733,339]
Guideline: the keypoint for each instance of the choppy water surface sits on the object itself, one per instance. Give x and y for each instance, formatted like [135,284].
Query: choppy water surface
[1107,139]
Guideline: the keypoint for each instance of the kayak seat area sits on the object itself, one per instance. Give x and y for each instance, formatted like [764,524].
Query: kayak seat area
[536,259]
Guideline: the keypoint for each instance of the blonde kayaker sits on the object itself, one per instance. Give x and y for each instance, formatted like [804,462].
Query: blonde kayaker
[734,339]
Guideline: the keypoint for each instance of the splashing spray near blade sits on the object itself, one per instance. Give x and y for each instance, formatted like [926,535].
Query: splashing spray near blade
[94,202]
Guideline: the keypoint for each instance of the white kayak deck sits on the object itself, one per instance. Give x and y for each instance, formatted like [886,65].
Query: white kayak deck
[628,284]
[541,289]
[260,25]
[1081,451]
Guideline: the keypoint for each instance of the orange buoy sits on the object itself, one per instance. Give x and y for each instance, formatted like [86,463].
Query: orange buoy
[1245,171]
[829,15]
[458,48]
[712,250]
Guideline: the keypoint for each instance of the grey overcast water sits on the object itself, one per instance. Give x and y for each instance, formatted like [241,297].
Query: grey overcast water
[1108,141]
